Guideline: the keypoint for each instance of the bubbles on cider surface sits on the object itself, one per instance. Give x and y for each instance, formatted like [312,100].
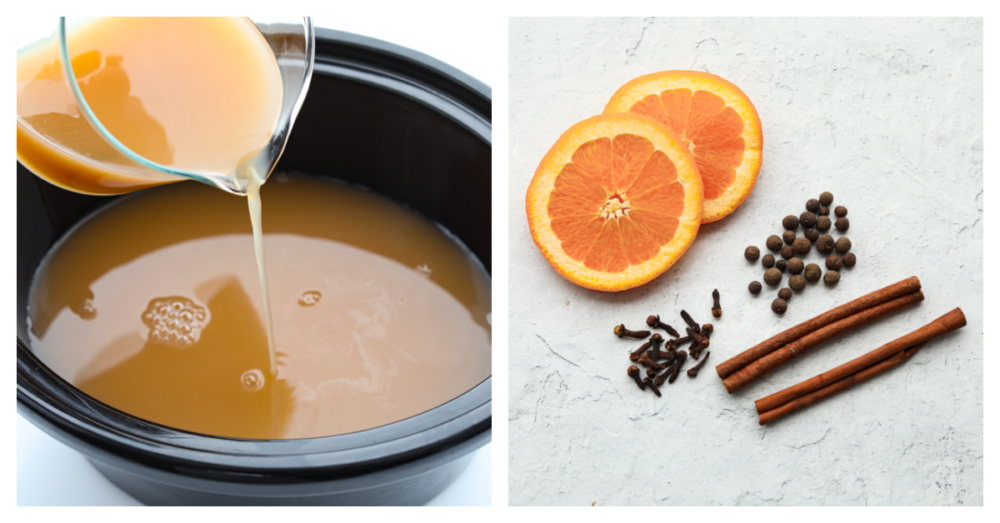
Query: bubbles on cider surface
[175,320]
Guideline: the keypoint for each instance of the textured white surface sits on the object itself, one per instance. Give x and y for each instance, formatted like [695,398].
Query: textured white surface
[885,114]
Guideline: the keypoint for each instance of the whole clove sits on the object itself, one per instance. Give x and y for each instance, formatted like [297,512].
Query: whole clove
[695,337]
[656,339]
[635,355]
[670,356]
[646,362]
[693,371]
[621,332]
[678,363]
[716,308]
[691,323]
[703,343]
[654,322]
[633,371]
[693,347]
[681,341]
[649,382]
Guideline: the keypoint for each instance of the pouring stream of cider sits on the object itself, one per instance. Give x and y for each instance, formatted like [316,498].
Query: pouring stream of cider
[197,94]
[253,201]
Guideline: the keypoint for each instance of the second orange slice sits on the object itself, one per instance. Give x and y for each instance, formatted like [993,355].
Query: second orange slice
[615,202]
[714,119]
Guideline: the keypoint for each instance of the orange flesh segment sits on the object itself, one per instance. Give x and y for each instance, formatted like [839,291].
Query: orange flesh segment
[711,129]
[616,203]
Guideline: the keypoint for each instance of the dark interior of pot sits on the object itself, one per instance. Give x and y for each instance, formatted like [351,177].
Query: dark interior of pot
[382,120]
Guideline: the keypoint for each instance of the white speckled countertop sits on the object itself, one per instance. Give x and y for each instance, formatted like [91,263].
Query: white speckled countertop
[885,114]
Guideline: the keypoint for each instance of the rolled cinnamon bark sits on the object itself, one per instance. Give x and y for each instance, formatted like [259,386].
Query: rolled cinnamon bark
[830,390]
[728,367]
[756,369]
[952,321]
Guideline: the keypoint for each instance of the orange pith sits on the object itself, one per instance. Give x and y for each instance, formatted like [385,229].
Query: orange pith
[714,118]
[615,202]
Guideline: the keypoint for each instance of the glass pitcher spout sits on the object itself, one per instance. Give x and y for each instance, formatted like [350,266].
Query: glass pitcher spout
[120,104]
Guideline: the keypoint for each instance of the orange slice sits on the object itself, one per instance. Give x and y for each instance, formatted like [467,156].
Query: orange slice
[615,202]
[714,119]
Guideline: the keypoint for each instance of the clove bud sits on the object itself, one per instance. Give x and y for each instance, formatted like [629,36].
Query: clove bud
[621,331]
[633,371]
[691,323]
[693,371]
[716,309]
[678,363]
[654,322]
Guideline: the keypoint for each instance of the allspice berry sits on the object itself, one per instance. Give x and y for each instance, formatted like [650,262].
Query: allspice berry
[834,263]
[781,265]
[840,211]
[843,244]
[824,211]
[797,282]
[779,306]
[790,222]
[772,277]
[795,266]
[850,260]
[813,272]
[755,287]
[823,223]
[768,261]
[812,205]
[842,224]
[787,252]
[785,294]
[801,246]
[826,198]
[825,244]
[831,278]
[773,243]
[812,234]
[788,236]
[751,254]
[807,220]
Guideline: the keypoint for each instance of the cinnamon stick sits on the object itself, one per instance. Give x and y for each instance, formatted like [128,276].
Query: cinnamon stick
[952,321]
[833,388]
[728,367]
[756,369]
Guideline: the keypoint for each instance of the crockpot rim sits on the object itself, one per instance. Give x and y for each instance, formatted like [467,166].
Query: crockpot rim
[43,392]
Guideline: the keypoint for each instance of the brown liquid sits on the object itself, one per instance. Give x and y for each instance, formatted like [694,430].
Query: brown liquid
[150,306]
[199,94]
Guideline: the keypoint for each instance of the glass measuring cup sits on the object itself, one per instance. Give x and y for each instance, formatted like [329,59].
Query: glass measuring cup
[64,138]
